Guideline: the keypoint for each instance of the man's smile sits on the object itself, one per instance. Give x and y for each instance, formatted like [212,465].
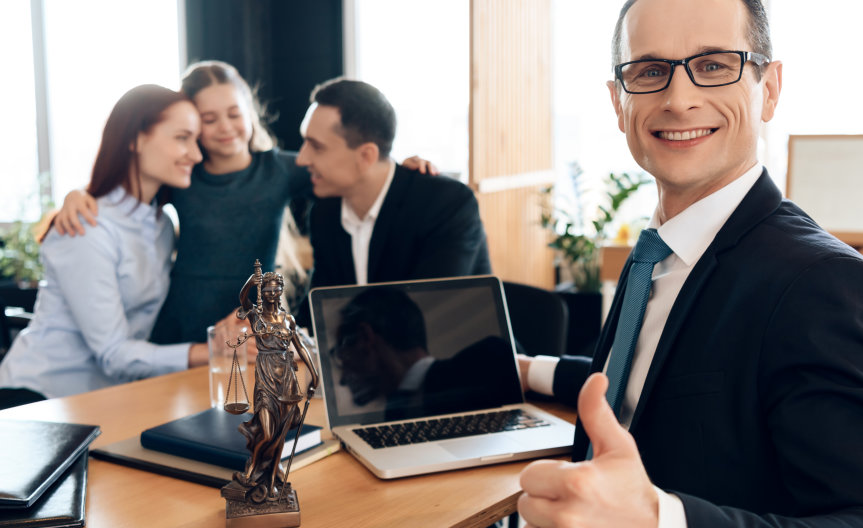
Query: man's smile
[683,135]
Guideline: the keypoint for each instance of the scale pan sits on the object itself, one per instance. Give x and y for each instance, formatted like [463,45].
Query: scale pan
[236,408]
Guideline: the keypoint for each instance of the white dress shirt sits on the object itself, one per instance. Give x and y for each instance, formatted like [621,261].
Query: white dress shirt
[98,305]
[688,235]
[361,229]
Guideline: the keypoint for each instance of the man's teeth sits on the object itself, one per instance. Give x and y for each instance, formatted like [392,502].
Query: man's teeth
[683,136]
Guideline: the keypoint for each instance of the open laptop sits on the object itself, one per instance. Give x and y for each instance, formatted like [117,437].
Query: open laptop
[421,376]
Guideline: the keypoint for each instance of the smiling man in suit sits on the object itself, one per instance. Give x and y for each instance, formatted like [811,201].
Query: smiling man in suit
[375,220]
[735,398]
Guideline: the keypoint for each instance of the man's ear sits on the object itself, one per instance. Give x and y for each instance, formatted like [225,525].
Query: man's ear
[772,78]
[615,102]
[367,154]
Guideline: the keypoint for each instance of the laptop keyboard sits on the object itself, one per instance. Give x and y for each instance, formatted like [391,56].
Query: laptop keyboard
[445,428]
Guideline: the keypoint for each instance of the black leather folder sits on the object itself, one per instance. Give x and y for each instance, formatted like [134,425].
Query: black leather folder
[33,455]
[62,505]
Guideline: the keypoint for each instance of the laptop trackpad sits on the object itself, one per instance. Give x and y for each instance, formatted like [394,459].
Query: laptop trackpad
[482,446]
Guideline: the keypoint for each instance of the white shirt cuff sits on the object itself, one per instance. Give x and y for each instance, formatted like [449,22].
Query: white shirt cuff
[540,376]
[671,513]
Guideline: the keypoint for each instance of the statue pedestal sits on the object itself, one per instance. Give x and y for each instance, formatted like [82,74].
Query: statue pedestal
[242,512]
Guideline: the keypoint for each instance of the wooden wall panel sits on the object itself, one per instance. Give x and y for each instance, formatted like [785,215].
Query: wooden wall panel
[510,132]
[517,245]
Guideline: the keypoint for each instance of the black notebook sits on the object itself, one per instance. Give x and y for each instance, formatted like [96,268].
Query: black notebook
[62,505]
[211,436]
[34,454]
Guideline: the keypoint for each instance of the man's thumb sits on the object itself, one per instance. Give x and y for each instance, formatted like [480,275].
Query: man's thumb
[605,433]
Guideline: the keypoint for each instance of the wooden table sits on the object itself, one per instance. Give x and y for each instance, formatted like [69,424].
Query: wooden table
[335,492]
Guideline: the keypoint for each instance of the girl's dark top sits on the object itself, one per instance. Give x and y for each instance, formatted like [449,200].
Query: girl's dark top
[226,222]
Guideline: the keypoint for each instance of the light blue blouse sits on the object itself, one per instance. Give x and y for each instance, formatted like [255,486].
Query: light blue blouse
[98,305]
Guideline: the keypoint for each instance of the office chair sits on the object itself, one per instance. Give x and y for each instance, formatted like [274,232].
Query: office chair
[14,397]
[13,296]
[539,319]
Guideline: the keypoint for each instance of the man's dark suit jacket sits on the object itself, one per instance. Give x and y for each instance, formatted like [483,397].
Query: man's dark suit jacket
[428,227]
[451,385]
[752,410]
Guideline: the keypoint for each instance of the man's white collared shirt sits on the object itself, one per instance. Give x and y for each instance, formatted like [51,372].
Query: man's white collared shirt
[360,229]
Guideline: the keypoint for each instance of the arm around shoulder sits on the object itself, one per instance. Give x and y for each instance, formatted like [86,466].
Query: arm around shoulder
[77,202]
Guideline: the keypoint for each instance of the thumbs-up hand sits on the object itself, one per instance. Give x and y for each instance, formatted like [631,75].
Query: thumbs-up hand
[612,489]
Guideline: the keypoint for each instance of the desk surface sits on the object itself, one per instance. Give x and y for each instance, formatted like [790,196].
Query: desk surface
[335,492]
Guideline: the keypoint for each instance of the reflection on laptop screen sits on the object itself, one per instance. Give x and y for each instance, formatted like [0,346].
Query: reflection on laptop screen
[407,350]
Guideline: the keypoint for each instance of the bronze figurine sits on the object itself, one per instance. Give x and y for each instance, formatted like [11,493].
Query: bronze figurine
[263,488]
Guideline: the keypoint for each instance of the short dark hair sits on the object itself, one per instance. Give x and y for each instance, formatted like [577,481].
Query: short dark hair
[759,32]
[137,111]
[367,116]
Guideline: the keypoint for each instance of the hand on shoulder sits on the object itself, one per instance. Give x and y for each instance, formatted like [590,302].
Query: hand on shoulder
[421,165]
[68,221]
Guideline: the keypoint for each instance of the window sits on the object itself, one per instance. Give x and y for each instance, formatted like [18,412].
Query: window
[417,54]
[18,134]
[93,52]
[585,126]
[427,78]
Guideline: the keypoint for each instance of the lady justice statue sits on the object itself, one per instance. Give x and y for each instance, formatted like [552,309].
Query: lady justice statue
[263,488]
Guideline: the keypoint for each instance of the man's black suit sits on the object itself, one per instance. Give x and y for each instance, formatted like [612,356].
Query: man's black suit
[428,227]
[752,410]
[451,385]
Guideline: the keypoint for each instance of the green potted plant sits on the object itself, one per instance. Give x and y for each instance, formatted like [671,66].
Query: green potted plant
[19,256]
[579,234]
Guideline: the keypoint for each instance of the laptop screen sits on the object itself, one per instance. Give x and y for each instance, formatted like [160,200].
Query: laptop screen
[406,350]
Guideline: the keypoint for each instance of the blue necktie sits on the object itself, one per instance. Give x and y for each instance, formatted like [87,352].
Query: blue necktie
[649,250]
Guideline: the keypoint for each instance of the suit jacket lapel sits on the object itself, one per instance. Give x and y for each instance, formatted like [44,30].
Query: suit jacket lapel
[385,225]
[343,258]
[761,201]
[682,305]
[600,355]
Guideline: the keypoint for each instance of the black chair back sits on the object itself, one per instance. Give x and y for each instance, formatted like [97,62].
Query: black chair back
[14,397]
[538,317]
[13,296]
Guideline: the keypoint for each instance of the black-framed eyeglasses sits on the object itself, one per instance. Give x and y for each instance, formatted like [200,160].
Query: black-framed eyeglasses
[714,68]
